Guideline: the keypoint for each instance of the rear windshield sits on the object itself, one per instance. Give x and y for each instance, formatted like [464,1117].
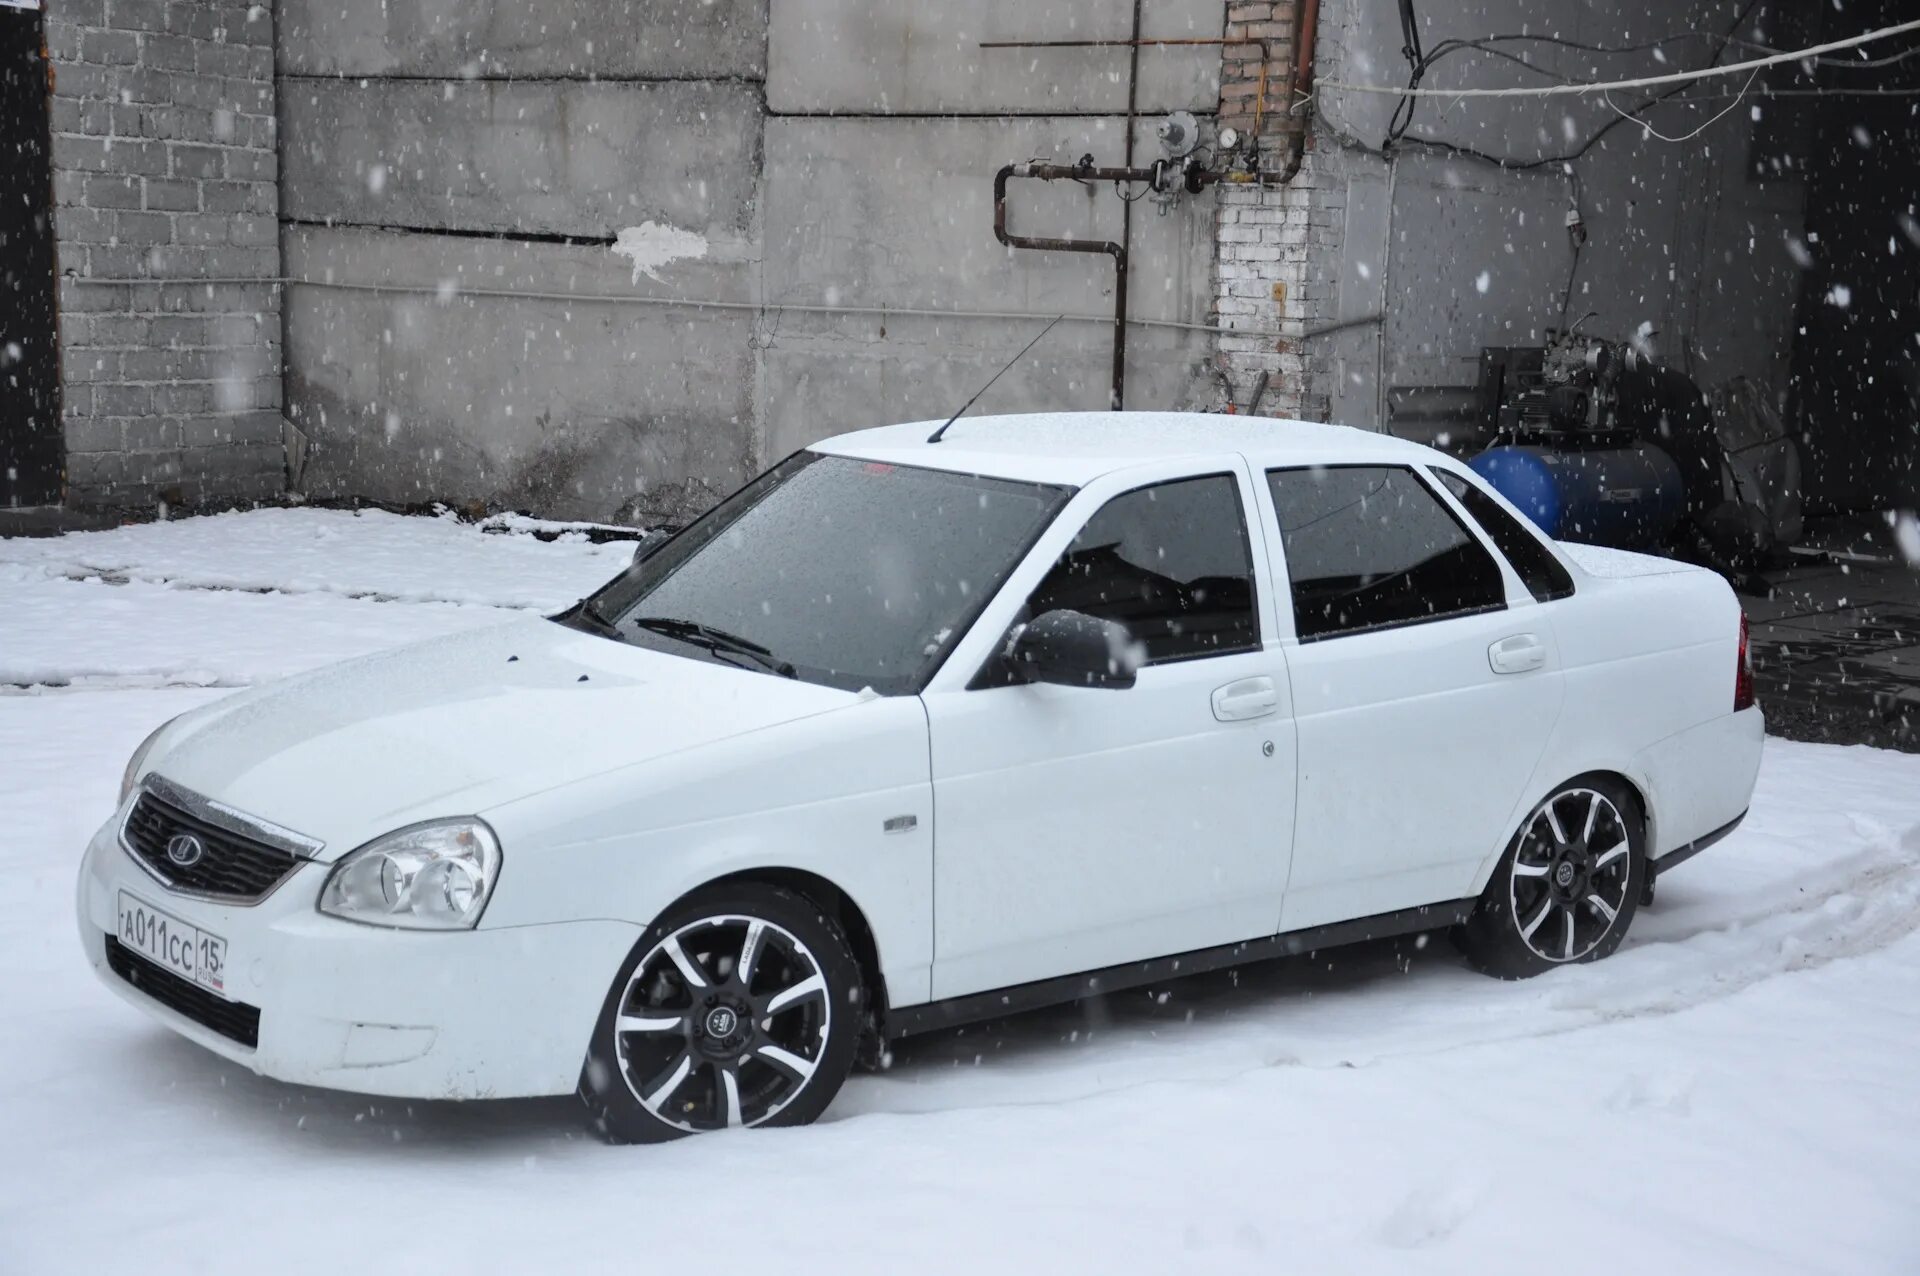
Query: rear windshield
[844,572]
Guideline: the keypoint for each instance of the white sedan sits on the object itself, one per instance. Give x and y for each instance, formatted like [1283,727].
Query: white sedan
[909,733]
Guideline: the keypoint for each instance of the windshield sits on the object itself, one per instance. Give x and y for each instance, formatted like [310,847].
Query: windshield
[833,570]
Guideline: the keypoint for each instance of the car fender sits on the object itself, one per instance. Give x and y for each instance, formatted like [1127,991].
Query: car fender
[1648,659]
[1633,771]
[845,796]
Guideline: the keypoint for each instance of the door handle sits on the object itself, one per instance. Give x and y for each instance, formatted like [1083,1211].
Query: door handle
[1517,654]
[1247,698]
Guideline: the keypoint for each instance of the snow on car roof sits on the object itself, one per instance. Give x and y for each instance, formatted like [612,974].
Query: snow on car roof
[1077,447]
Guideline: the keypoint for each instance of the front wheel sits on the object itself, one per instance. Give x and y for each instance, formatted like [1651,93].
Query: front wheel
[740,1006]
[1567,887]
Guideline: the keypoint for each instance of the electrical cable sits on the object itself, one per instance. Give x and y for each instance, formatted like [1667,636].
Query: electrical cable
[1648,130]
[1842,64]
[1573,273]
[1402,119]
[1455,44]
[1486,45]
[1721,97]
[1643,81]
[1577,236]
[1417,62]
[1567,157]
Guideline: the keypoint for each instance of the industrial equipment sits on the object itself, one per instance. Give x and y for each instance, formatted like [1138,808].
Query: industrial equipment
[1561,452]
[1599,444]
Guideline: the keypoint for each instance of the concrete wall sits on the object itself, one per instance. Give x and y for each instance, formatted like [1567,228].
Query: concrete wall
[804,188]
[460,327]
[463,329]
[881,57]
[165,221]
[1683,250]
[451,39]
[550,158]
[898,213]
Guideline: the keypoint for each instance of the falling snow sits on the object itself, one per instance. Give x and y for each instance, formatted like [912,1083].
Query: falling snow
[1134,1134]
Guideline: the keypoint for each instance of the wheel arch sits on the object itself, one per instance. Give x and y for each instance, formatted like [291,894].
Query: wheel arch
[1636,789]
[838,905]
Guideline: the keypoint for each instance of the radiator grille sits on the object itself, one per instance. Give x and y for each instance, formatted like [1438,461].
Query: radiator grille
[229,865]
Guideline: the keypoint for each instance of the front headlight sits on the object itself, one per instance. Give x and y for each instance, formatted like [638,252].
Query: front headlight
[139,758]
[433,876]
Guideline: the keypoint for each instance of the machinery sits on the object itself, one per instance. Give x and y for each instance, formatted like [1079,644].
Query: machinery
[1599,444]
[1564,452]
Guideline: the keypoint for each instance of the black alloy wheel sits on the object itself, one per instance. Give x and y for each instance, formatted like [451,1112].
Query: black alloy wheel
[739,1008]
[1567,887]
[1568,881]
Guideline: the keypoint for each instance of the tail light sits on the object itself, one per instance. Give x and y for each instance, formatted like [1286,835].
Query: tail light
[1743,672]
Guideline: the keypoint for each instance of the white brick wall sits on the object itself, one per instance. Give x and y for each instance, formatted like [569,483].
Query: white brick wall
[1273,244]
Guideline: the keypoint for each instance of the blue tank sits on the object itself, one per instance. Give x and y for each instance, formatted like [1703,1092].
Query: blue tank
[1628,497]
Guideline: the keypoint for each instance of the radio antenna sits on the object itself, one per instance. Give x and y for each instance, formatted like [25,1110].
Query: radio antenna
[935,436]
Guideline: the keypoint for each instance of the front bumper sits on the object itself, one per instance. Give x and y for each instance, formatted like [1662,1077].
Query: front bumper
[485,1013]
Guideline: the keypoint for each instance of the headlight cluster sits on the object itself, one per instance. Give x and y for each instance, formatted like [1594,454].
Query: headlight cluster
[434,876]
[139,759]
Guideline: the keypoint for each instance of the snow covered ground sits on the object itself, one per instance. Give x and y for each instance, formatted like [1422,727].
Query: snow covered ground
[1737,1090]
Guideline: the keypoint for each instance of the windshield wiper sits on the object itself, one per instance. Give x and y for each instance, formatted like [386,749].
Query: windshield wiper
[717,641]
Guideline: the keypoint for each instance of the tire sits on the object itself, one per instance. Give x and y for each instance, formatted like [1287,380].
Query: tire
[1568,885]
[684,1045]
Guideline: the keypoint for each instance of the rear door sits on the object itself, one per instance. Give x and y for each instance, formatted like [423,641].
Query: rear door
[1425,682]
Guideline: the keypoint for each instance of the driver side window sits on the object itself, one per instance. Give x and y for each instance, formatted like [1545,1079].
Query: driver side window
[1172,562]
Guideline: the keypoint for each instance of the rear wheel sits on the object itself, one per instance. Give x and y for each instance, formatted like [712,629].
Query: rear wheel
[1567,887]
[741,1006]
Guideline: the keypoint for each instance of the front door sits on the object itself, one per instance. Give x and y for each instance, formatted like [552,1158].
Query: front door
[1080,828]
[1425,682]
[30,443]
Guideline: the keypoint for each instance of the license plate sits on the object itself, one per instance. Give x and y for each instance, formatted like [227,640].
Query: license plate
[178,946]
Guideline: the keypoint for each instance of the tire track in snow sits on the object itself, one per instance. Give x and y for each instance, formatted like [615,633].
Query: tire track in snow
[1376,1003]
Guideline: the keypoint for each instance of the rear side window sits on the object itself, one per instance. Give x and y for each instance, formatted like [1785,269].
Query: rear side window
[1171,562]
[1541,572]
[1372,547]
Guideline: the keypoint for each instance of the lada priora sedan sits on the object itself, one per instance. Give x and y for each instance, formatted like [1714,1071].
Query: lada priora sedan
[909,733]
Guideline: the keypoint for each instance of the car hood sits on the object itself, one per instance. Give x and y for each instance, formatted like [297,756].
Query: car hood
[458,725]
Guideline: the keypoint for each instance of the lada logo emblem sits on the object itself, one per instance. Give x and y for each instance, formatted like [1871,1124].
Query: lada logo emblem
[185,850]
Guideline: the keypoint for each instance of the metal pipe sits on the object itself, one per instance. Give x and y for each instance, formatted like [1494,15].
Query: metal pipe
[689,303]
[1073,172]
[1306,31]
[1117,395]
[1266,54]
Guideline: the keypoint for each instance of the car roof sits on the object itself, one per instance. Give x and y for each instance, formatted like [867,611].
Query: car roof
[1078,447]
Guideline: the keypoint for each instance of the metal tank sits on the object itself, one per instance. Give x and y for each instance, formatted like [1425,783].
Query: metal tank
[1630,497]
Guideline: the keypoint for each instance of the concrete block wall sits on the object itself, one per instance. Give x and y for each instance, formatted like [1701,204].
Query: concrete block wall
[887,124]
[816,178]
[166,225]
[457,179]
[809,187]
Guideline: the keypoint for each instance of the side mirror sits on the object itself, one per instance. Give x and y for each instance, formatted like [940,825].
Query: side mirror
[649,543]
[1073,649]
